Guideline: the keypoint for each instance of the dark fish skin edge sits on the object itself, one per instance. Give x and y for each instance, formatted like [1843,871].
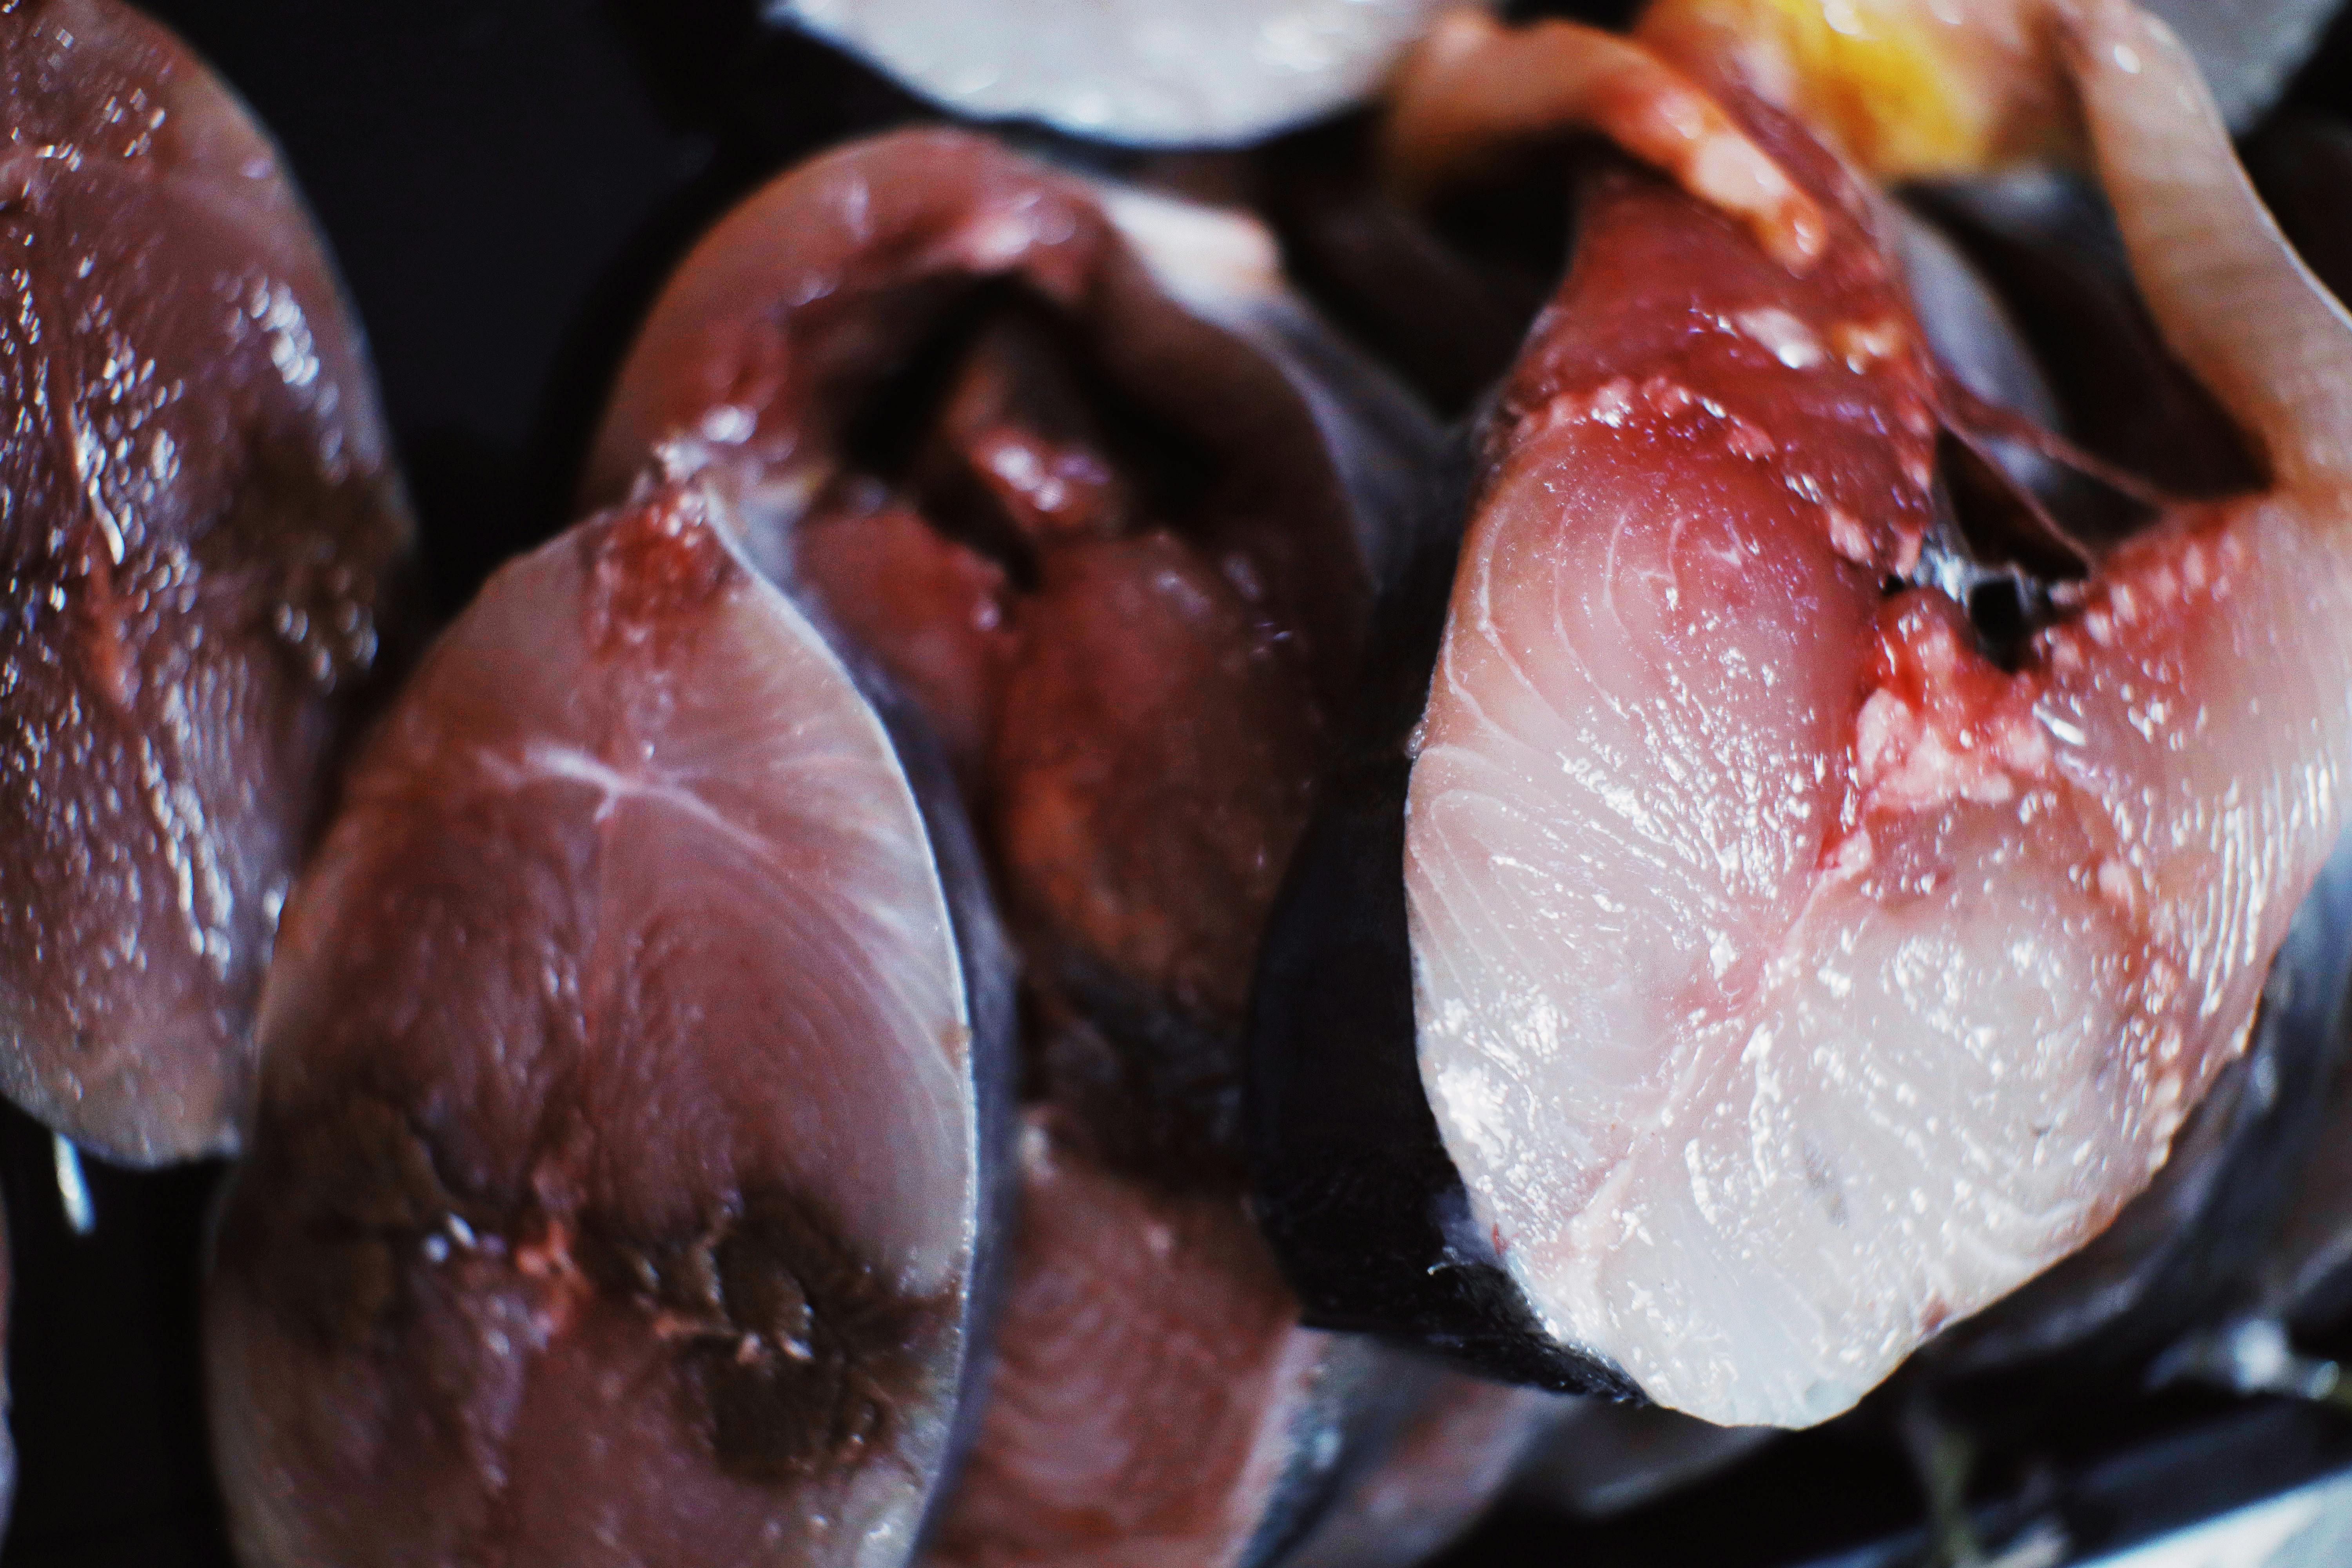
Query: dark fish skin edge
[988,964]
[1349,1179]
[1335,1439]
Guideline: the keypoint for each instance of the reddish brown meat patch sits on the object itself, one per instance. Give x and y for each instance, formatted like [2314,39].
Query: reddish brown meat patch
[199,555]
[1150,1360]
[1104,628]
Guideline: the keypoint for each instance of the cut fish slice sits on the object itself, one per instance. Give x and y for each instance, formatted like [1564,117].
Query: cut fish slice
[1071,468]
[1932,958]
[202,535]
[1204,72]
[1790,978]
[621,1187]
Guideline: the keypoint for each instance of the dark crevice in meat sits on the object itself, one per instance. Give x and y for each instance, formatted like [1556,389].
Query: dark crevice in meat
[2049,246]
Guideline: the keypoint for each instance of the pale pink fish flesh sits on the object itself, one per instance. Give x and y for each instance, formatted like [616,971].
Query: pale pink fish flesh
[1792,980]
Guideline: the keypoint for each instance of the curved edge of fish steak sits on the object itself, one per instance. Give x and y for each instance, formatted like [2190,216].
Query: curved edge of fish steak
[1152,1400]
[204,531]
[618,1192]
[1218,73]
[1350,1180]
[1442,1470]
[1791,979]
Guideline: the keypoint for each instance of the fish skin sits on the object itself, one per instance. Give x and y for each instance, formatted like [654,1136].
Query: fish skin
[2302,165]
[2248,49]
[1602,1460]
[201,560]
[2046,241]
[1845,801]
[8,1438]
[1349,1178]
[565,1185]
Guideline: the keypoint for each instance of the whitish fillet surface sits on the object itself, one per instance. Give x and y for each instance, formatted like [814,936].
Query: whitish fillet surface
[1210,71]
[1792,979]
[615,1194]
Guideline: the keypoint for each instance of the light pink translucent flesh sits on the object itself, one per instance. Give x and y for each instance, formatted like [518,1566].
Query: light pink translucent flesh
[1792,980]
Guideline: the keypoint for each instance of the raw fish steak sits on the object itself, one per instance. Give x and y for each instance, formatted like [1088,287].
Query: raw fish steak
[1796,970]
[1074,471]
[1201,72]
[201,530]
[622,1180]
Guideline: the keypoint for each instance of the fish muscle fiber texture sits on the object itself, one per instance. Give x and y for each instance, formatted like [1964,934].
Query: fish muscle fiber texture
[617,1190]
[1791,978]
[201,531]
[1150,1367]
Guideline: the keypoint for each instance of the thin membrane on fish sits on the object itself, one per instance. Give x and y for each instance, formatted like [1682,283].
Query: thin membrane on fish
[622,1189]
[1067,465]
[1791,971]
[202,539]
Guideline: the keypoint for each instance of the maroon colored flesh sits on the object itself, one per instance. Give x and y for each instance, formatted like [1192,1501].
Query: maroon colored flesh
[614,1194]
[202,533]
